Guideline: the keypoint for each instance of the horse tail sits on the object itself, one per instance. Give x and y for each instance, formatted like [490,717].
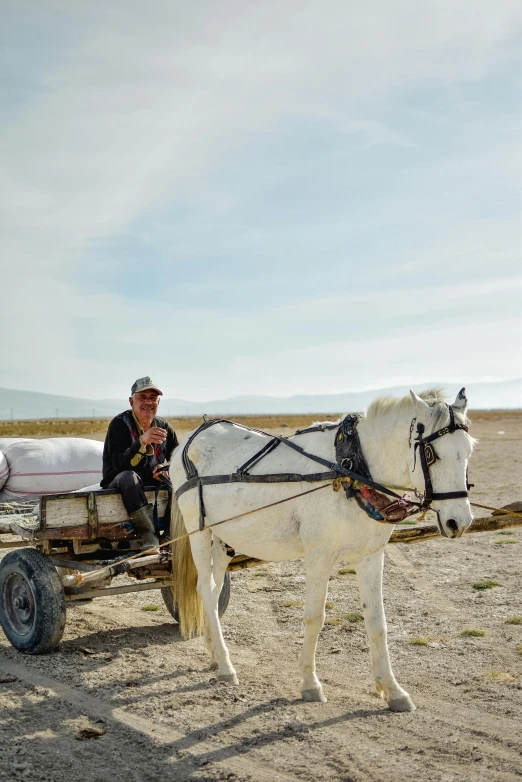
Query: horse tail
[184,577]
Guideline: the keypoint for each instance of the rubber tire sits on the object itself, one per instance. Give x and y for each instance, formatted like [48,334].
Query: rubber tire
[48,598]
[224,598]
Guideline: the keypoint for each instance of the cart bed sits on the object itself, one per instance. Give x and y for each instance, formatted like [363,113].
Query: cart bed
[80,516]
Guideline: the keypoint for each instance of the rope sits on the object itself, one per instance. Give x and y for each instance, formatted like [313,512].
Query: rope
[207,526]
[500,510]
[256,510]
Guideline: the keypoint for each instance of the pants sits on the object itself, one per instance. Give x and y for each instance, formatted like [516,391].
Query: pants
[130,486]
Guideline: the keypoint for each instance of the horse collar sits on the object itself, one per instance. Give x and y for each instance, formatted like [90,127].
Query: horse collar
[348,454]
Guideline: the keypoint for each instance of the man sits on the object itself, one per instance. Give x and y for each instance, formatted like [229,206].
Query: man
[137,445]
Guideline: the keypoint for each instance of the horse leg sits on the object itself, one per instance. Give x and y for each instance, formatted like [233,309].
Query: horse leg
[369,577]
[208,644]
[318,567]
[220,560]
[209,591]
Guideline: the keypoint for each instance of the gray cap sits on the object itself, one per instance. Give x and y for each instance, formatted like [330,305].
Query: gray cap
[144,384]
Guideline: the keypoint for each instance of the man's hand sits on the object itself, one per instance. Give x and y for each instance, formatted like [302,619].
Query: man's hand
[159,471]
[153,435]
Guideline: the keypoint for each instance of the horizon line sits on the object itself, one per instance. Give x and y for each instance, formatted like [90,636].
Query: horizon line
[276,396]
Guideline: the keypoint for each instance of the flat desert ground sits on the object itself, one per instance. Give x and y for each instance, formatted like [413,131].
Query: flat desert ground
[126,672]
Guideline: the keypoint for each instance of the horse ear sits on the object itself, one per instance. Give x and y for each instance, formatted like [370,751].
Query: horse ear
[418,403]
[461,401]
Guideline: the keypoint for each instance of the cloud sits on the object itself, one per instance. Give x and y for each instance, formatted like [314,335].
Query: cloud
[135,127]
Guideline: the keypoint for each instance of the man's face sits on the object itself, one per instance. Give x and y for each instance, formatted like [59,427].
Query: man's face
[145,403]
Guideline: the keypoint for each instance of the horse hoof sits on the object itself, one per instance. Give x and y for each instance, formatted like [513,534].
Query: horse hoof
[230,678]
[403,703]
[316,695]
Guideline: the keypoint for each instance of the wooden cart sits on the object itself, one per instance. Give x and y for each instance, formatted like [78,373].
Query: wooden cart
[71,538]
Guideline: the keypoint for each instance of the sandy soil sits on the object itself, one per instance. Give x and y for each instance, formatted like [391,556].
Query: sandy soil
[125,673]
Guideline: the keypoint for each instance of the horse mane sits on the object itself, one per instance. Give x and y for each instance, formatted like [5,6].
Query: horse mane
[434,397]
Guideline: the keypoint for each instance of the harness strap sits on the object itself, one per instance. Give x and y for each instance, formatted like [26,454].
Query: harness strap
[343,472]
[190,467]
[155,518]
[420,444]
[318,428]
[335,470]
[441,432]
[265,450]
[164,484]
[280,477]
[202,512]
[449,495]
[333,466]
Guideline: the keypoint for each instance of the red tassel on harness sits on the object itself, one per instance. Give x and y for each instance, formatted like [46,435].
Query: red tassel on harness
[393,512]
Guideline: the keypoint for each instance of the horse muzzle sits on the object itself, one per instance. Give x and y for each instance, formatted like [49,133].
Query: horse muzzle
[454,527]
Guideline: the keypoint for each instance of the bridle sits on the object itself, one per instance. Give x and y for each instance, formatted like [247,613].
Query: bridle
[428,456]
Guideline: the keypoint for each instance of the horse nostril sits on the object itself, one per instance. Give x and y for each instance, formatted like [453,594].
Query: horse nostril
[452,525]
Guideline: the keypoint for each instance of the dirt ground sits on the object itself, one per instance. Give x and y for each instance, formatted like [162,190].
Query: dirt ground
[125,673]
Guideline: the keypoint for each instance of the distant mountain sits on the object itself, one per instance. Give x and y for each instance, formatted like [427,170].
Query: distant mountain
[30,404]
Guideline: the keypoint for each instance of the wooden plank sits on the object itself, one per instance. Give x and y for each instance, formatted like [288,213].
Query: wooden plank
[15,528]
[64,511]
[73,564]
[413,535]
[487,524]
[13,544]
[72,510]
[120,590]
[111,509]
[242,562]
[117,531]
[494,522]
[92,515]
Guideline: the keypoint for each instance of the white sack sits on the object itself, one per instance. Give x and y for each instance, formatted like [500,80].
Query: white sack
[4,469]
[94,487]
[51,466]
[6,442]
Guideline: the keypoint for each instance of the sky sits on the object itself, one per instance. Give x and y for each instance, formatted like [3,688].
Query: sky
[275,198]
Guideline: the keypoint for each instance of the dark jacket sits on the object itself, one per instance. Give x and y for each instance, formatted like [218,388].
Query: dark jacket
[123,449]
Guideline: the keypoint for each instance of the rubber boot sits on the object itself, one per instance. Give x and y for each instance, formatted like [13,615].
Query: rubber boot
[143,521]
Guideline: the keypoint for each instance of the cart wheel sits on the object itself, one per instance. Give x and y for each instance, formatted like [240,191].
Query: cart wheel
[32,601]
[224,598]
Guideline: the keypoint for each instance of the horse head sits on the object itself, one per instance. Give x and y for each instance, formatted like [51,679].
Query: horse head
[439,458]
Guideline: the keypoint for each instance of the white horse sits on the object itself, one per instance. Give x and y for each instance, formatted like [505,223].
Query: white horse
[321,528]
